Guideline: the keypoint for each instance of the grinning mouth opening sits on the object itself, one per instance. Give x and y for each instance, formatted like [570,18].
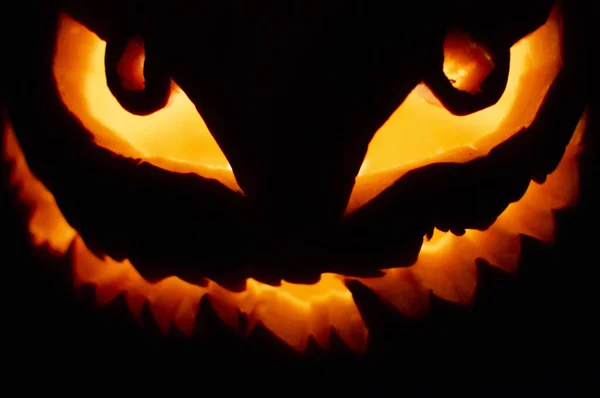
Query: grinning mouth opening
[294,312]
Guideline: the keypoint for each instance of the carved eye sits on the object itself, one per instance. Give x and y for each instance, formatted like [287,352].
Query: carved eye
[421,131]
[173,137]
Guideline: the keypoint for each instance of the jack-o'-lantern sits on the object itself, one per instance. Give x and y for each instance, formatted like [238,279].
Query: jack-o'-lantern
[270,158]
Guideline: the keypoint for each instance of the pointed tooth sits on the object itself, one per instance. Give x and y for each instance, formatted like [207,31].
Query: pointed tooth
[495,289]
[214,337]
[313,349]
[118,309]
[266,344]
[443,312]
[387,326]
[337,346]
[391,333]
[429,234]
[227,312]
[208,322]
[149,321]
[374,311]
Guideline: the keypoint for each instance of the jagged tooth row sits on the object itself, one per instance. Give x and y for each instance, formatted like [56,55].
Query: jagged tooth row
[408,289]
[446,268]
[111,278]
[209,329]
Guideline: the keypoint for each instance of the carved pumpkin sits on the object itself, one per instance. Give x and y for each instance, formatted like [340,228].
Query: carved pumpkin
[283,168]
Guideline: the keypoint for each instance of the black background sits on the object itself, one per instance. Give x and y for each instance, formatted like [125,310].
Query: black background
[533,334]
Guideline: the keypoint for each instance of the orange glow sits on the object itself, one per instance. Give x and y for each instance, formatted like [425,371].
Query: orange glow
[295,312]
[131,65]
[174,138]
[422,132]
[445,265]
[466,63]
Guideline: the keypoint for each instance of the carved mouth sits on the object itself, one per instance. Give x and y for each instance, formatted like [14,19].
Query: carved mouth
[294,312]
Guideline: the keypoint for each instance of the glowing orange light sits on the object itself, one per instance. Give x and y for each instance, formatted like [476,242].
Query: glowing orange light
[420,132]
[466,63]
[295,312]
[131,65]
[174,138]
[445,265]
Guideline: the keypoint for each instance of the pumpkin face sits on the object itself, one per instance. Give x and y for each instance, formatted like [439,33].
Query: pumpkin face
[271,158]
